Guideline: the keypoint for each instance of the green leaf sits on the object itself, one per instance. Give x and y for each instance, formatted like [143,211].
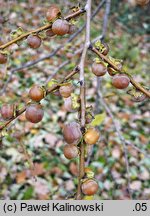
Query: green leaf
[98,119]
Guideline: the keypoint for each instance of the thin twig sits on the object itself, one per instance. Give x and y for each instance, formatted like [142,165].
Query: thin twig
[82,96]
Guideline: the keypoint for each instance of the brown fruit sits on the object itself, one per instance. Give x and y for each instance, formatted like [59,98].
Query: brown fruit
[106,50]
[89,187]
[120,81]
[142,2]
[66,90]
[52,12]
[99,69]
[36,93]
[91,136]
[72,133]
[49,33]
[34,113]
[34,41]
[7,111]
[70,151]
[3,58]
[60,27]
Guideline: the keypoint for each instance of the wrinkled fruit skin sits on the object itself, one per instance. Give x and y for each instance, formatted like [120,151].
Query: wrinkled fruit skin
[89,187]
[99,69]
[142,2]
[70,151]
[34,41]
[7,111]
[34,113]
[120,81]
[66,90]
[3,58]
[36,93]
[72,133]
[52,12]
[60,27]
[91,136]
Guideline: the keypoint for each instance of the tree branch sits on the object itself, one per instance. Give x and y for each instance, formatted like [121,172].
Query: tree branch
[48,91]
[82,96]
[47,26]
[133,82]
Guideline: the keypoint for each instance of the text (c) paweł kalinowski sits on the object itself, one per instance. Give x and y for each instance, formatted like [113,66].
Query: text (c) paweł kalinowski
[61,207]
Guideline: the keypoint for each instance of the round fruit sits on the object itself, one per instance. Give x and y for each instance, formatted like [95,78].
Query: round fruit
[66,90]
[49,33]
[3,58]
[142,2]
[70,151]
[72,133]
[36,93]
[120,81]
[34,41]
[72,29]
[89,187]
[52,12]
[99,69]
[106,50]
[7,111]
[60,27]
[91,136]
[34,113]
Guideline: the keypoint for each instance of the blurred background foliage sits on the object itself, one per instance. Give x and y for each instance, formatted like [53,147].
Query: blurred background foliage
[56,177]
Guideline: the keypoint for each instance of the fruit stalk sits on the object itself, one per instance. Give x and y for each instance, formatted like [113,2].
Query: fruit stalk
[132,81]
